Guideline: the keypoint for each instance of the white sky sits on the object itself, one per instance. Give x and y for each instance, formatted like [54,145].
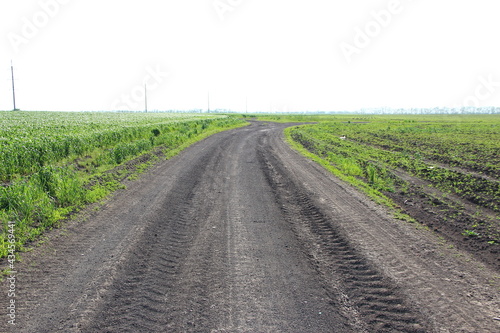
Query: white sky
[280,55]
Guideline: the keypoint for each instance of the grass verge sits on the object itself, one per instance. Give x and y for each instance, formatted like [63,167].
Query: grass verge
[38,202]
[372,193]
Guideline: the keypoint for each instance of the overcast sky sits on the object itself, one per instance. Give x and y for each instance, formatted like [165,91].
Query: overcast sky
[260,55]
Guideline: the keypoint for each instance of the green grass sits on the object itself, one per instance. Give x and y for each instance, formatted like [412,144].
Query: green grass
[457,155]
[54,163]
[377,196]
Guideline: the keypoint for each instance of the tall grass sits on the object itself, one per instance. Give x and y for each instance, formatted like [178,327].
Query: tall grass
[53,163]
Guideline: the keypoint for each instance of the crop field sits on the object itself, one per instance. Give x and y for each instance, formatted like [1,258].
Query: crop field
[52,163]
[443,171]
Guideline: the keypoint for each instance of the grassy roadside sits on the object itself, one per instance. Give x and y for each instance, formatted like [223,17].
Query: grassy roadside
[40,201]
[365,188]
[372,193]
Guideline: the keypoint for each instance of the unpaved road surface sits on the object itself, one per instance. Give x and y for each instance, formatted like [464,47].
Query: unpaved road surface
[241,234]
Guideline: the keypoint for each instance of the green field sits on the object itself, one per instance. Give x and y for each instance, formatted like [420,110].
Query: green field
[53,163]
[440,170]
[460,157]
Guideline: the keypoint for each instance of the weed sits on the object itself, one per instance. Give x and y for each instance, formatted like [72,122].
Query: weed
[470,233]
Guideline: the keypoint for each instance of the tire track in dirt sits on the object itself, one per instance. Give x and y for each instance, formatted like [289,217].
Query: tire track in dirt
[379,305]
[430,281]
[147,295]
[139,295]
[42,285]
[272,285]
[446,306]
[451,289]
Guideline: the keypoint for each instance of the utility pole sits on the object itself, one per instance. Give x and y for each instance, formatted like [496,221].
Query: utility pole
[13,87]
[146,98]
[208,105]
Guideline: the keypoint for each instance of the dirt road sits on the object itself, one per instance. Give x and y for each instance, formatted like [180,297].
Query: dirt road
[241,234]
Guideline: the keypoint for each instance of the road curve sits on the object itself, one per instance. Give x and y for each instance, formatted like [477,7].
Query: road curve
[241,234]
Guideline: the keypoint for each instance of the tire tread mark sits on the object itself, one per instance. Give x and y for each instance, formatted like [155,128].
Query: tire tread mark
[142,298]
[380,305]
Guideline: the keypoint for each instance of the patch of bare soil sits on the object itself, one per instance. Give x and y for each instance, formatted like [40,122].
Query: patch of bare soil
[451,216]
